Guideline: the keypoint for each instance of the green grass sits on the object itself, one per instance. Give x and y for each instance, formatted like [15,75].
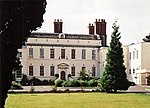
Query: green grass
[78,100]
[147,88]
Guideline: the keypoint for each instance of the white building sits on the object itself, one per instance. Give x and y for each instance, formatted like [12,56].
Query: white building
[139,63]
[47,54]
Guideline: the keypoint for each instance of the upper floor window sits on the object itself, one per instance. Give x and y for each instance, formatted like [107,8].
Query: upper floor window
[83,54]
[31,52]
[30,70]
[41,70]
[130,55]
[62,53]
[52,53]
[133,54]
[129,71]
[41,52]
[137,54]
[52,70]
[93,54]
[72,71]
[73,54]
[133,70]
[93,71]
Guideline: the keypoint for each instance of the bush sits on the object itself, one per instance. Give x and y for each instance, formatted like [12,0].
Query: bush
[35,81]
[25,80]
[83,83]
[93,83]
[65,84]
[15,85]
[58,83]
[83,75]
[57,76]
[51,82]
[71,83]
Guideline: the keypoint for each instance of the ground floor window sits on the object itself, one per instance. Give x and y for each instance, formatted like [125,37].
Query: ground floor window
[30,70]
[93,71]
[41,70]
[72,71]
[52,71]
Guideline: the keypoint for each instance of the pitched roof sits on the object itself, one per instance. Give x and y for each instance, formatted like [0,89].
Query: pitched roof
[65,36]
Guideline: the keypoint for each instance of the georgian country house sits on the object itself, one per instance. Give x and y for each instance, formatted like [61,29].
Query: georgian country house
[46,54]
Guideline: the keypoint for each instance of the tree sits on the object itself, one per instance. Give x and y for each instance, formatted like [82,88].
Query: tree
[18,18]
[147,38]
[114,75]
[83,75]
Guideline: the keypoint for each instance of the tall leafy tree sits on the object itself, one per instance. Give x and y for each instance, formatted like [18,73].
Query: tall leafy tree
[18,18]
[114,75]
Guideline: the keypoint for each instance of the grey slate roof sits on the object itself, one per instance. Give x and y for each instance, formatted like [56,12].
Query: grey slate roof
[65,36]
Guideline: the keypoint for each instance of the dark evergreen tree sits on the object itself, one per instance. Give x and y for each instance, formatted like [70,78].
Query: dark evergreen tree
[18,18]
[114,75]
[147,38]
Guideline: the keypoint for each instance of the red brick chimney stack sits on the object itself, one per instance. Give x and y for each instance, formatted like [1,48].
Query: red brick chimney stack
[58,26]
[91,29]
[103,31]
[98,26]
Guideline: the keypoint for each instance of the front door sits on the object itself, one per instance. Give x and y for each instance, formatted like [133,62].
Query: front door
[63,75]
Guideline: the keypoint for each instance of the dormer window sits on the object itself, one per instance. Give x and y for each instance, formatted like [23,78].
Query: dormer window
[62,35]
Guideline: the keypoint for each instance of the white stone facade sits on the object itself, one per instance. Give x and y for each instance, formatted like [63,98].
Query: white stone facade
[42,55]
[139,63]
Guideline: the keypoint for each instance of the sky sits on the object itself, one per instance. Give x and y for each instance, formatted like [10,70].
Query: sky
[133,17]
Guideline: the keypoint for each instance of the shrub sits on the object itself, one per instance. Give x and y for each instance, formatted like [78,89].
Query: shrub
[58,83]
[74,83]
[15,85]
[45,82]
[25,80]
[71,83]
[83,83]
[56,76]
[65,84]
[35,81]
[93,83]
[83,75]
[51,82]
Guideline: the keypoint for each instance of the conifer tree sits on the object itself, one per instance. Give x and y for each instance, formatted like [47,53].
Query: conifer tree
[114,75]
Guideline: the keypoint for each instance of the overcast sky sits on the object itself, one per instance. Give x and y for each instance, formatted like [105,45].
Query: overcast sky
[133,17]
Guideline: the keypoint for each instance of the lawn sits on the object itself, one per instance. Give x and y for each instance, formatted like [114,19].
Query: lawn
[78,100]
